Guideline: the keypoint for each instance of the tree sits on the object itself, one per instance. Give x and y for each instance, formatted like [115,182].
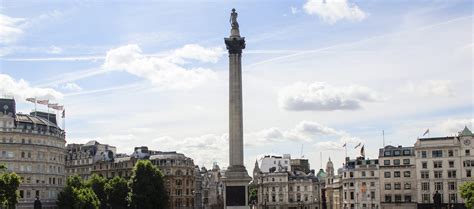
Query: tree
[467,193]
[147,189]
[9,183]
[97,184]
[117,191]
[77,196]
[252,189]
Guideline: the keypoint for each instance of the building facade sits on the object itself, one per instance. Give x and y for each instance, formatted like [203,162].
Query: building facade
[442,165]
[212,188]
[333,187]
[178,171]
[80,158]
[33,147]
[275,163]
[397,173]
[360,184]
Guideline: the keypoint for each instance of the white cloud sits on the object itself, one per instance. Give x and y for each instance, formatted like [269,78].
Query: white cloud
[55,50]
[166,72]
[294,10]
[72,87]
[21,89]
[320,96]
[453,126]
[10,29]
[332,11]
[430,88]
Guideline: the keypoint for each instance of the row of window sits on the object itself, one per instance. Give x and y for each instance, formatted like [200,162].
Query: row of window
[397,198]
[397,186]
[427,198]
[439,174]
[363,174]
[396,174]
[33,141]
[397,162]
[27,194]
[438,186]
[389,153]
[39,168]
[439,153]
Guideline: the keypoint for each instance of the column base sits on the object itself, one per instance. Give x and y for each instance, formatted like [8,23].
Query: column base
[236,181]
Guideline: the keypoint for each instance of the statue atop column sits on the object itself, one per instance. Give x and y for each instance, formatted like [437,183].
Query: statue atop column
[233,19]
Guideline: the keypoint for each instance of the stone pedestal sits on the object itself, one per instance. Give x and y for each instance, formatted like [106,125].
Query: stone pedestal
[235,179]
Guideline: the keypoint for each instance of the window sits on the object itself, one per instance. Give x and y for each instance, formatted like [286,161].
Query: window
[372,173]
[406,174]
[453,198]
[363,173]
[451,164]
[396,174]
[423,154]
[388,186]
[438,164]
[438,174]
[396,162]
[372,184]
[468,173]
[386,162]
[437,153]
[372,195]
[450,153]
[406,152]
[407,198]
[387,153]
[425,198]
[468,152]
[451,185]
[351,174]
[397,186]
[406,161]
[425,186]
[425,174]
[438,186]
[352,195]
[386,174]
[398,198]
[388,198]
[407,186]
[424,165]
[396,153]
[451,174]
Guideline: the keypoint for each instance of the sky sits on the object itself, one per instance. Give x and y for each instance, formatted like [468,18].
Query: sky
[316,74]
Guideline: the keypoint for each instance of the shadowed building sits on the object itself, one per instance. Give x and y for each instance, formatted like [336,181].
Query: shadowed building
[33,146]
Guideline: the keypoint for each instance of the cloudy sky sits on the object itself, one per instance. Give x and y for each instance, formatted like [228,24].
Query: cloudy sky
[316,75]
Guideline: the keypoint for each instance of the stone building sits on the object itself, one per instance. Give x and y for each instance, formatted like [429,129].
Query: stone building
[178,171]
[212,194]
[397,177]
[33,147]
[81,157]
[284,189]
[272,162]
[360,184]
[443,164]
[333,187]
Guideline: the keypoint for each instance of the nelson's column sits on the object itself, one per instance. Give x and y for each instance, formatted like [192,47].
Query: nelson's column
[236,179]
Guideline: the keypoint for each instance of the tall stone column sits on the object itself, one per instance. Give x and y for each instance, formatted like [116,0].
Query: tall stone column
[236,178]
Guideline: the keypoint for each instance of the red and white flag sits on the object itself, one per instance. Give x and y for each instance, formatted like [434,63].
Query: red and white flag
[33,100]
[43,101]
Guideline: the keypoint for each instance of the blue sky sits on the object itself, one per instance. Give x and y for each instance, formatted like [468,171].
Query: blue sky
[317,74]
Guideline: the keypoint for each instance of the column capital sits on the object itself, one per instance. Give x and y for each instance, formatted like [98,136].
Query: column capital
[235,44]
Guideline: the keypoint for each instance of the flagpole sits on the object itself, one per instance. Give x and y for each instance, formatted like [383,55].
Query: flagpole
[383,137]
[35,108]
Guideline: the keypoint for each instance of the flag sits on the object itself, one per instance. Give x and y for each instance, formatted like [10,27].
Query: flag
[42,101]
[426,132]
[64,113]
[52,105]
[344,145]
[358,145]
[58,107]
[33,100]
[362,151]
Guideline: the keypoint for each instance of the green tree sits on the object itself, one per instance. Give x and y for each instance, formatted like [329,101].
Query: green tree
[76,195]
[252,194]
[117,191]
[467,193]
[97,184]
[147,189]
[9,183]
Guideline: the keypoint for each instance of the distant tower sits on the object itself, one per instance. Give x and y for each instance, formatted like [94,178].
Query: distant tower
[330,168]
[256,172]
